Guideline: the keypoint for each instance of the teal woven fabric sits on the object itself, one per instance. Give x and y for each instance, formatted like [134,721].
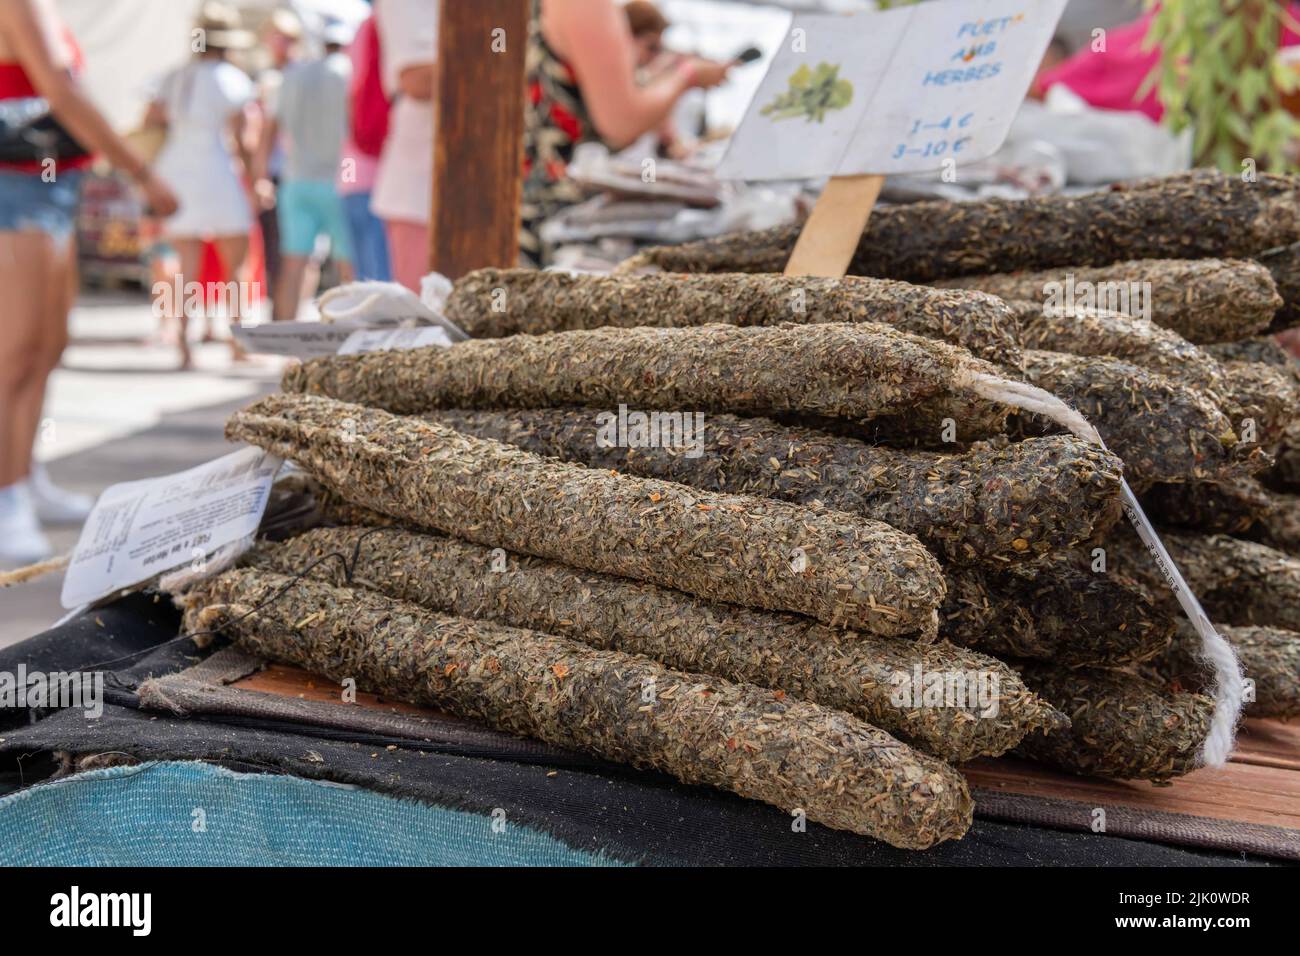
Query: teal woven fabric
[197,814]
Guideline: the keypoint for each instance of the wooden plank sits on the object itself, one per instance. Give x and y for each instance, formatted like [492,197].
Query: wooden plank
[1241,792]
[285,681]
[830,236]
[1272,742]
[478,144]
[1264,760]
[1223,801]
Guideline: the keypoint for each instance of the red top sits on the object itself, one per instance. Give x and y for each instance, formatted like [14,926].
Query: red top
[16,84]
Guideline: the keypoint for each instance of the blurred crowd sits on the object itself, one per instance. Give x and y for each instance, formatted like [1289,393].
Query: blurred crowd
[319,158]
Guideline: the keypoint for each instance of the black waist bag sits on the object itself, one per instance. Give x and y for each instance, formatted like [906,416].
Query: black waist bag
[29,133]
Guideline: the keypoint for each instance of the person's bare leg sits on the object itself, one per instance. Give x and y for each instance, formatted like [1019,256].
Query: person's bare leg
[162,275]
[310,281]
[234,260]
[189,256]
[25,262]
[25,274]
[57,296]
[408,248]
[52,503]
[289,287]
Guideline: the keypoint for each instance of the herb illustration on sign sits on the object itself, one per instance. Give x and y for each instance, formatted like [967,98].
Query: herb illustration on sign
[811,94]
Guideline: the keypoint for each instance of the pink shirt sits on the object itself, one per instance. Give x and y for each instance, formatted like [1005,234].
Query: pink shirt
[363,169]
[1111,80]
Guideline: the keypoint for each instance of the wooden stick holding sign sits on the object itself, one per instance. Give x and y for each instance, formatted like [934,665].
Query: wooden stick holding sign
[478,150]
[830,237]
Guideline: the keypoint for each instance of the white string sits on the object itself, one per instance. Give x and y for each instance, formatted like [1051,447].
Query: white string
[359,301]
[435,290]
[638,264]
[1215,651]
[33,571]
[361,307]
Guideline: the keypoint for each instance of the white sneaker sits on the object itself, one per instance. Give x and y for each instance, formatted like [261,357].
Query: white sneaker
[21,540]
[55,505]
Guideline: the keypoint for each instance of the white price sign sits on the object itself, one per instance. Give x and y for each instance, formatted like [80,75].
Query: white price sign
[897,91]
[139,529]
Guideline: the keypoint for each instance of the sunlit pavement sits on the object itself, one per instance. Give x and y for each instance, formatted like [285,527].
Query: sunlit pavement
[118,409]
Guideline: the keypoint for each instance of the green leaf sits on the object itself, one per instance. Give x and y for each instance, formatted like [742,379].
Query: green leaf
[1217,72]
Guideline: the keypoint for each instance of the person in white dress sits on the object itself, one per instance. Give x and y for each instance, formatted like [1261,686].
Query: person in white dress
[202,104]
[403,193]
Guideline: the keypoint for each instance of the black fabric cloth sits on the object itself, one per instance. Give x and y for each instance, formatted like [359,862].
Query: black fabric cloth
[130,639]
[132,624]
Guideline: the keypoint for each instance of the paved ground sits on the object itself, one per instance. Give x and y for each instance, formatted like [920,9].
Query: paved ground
[118,410]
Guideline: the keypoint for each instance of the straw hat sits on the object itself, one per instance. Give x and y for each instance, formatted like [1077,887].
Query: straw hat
[285,22]
[219,23]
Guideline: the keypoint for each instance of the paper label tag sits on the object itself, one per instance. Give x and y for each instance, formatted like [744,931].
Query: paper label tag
[300,340]
[139,529]
[897,91]
[380,340]
[309,340]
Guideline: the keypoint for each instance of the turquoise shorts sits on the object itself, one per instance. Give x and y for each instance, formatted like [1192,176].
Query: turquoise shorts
[308,209]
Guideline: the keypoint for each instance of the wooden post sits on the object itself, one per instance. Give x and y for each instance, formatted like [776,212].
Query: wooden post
[830,236]
[478,143]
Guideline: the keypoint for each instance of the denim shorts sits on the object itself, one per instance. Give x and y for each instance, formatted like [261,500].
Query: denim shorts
[28,202]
